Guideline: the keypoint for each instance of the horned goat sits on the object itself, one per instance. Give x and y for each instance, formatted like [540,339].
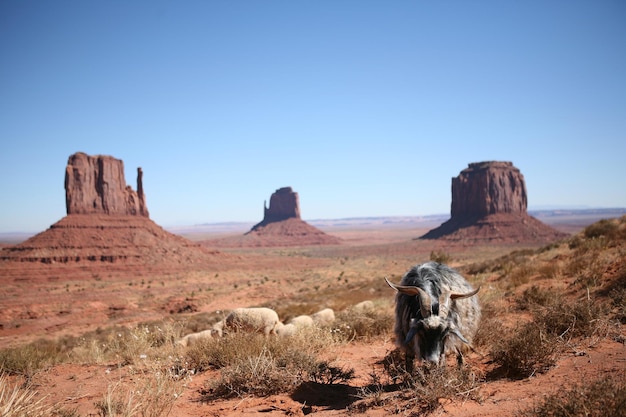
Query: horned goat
[435,313]
[252,319]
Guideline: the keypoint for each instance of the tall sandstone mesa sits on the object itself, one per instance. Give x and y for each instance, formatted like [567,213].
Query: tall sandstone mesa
[96,185]
[489,203]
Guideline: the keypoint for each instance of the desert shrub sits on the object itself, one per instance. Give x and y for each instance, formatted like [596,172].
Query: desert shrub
[550,269]
[618,297]
[153,396]
[440,256]
[602,397]
[536,296]
[607,228]
[583,318]
[17,401]
[32,357]
[520,274]
[525,350]
[364,323]
[426,386]
[252,364]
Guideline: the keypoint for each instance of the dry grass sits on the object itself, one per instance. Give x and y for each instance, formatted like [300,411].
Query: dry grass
[599,398]
[17,401]
[252,364]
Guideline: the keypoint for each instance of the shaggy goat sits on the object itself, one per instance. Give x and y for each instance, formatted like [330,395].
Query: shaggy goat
[252,319]
[435,312]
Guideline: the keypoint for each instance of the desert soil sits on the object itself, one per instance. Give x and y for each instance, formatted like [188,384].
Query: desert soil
[50,301]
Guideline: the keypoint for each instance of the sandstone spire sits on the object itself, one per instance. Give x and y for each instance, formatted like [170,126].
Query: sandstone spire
[284,204]
[96,185]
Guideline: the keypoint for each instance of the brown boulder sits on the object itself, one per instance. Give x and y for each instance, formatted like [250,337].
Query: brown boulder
[96,185]
[489,203]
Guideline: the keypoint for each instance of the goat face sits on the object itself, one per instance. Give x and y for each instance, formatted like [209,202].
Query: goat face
[425,322]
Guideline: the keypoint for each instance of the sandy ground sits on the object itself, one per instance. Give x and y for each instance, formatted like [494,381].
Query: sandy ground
[50,301]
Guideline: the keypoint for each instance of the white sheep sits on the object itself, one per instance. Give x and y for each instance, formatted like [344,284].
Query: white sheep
[301,321]
[194,338]
[252,319]
[363,306]
[285,330]
[324,317]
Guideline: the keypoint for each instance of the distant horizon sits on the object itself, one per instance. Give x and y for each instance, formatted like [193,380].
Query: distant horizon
[416,216]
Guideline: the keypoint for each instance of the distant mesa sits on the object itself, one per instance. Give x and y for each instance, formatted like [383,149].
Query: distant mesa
[281,226]
[107,222]
[489,203]
[284,204]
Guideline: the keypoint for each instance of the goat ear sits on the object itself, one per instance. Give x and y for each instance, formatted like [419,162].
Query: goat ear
[456,333]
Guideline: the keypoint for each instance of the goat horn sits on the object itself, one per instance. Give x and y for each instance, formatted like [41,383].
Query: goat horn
[447,295]
[425,303]
[456,295]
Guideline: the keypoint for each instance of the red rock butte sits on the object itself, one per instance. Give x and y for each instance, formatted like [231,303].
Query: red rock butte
[281,226]
[107,222]
[489,203]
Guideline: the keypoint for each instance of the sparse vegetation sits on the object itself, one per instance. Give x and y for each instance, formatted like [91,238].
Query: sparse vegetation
[603,397]
[17,401]
[538,306]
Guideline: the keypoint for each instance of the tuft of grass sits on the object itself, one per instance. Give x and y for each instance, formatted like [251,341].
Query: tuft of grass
[28,359]
[602,397]
[440,256]
[16,401]
[252,364]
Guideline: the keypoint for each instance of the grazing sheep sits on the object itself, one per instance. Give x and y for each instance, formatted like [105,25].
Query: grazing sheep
[195,338]
[435,312]
[252,319]
[301,321]
[285,330]
[323,317]
[363,306]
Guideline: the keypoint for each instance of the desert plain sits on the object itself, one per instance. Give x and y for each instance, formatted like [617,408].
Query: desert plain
[77,309]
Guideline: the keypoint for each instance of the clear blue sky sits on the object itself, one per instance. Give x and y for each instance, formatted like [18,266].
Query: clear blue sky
[365,108]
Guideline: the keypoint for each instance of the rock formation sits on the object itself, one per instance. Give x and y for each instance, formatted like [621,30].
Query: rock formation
[281,226]
[96,185]
[107,222]
[284,204]
[489,203]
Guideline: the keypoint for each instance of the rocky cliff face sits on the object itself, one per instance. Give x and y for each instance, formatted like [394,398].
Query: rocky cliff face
[96,185]
[485,188]
[489,203]
[284,204]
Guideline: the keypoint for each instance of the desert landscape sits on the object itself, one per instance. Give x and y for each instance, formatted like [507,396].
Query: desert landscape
[94,307]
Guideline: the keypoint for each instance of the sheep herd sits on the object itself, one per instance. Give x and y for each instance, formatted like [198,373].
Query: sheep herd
[259,320]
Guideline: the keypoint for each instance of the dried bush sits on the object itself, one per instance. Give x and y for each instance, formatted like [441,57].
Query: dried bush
[252,364]
[28,359]
[440,256]
[599,398]
[525,350]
